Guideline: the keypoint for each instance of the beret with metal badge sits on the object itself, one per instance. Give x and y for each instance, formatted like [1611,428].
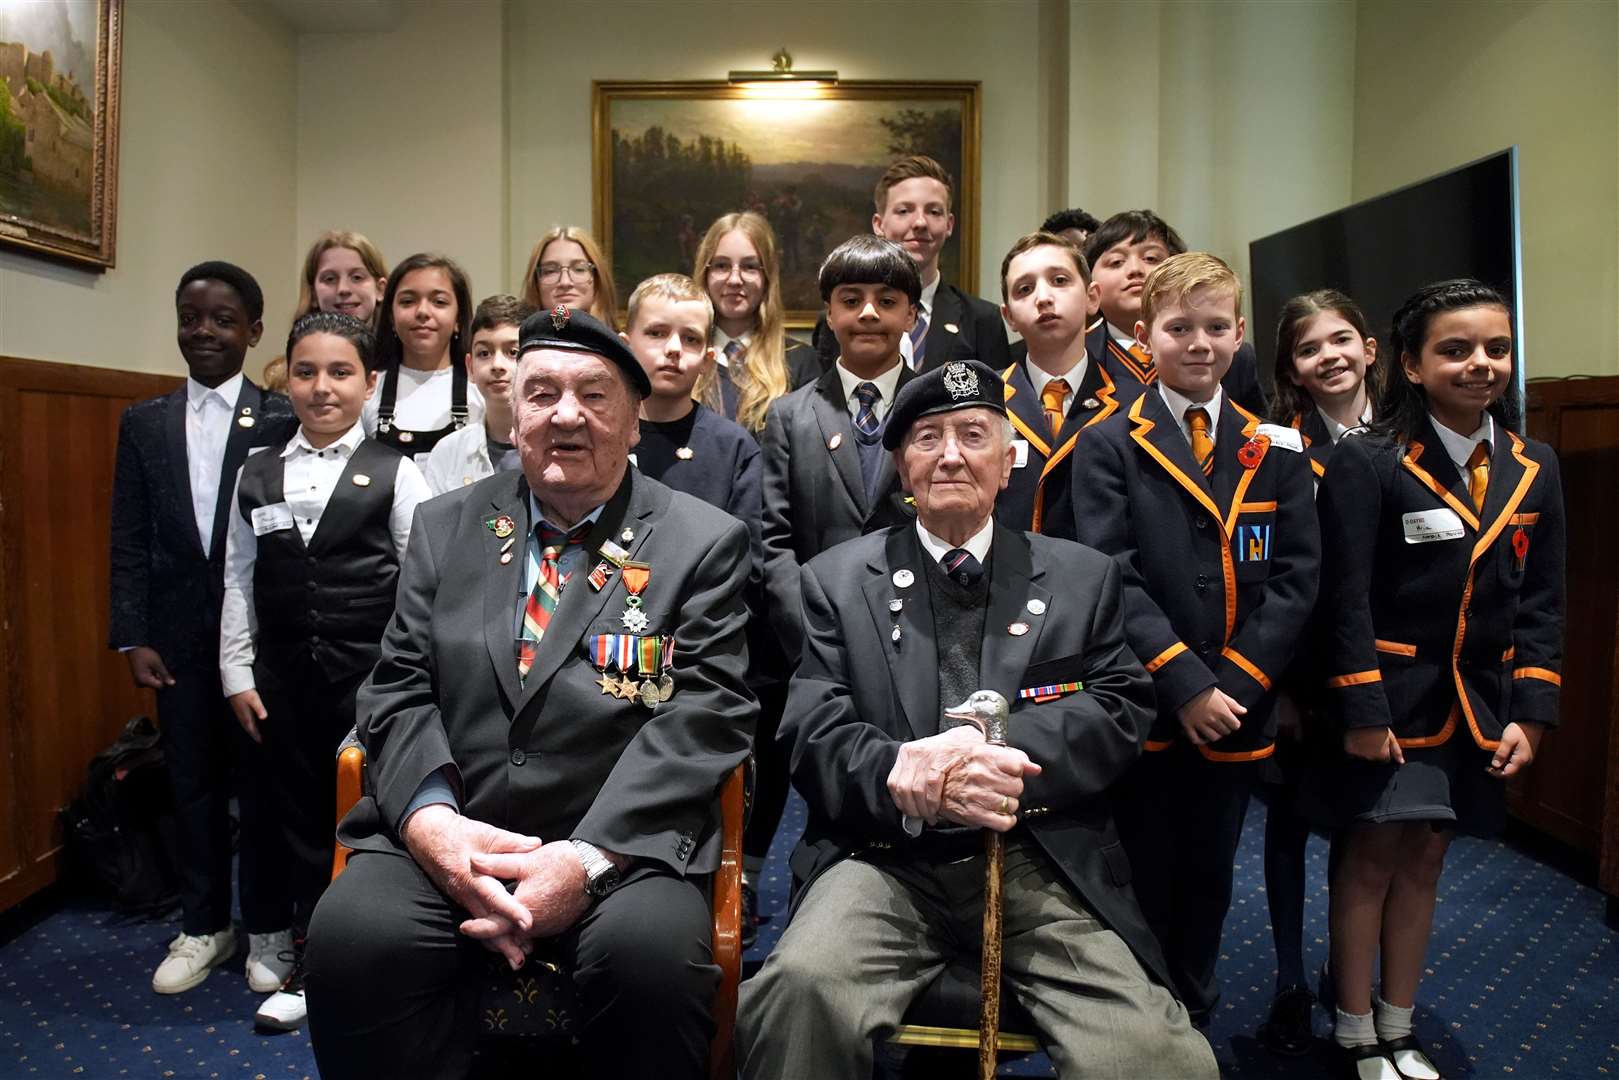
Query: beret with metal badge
[577,331]
[960,384]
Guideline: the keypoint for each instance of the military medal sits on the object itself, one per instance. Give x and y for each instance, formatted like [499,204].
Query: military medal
[599,576]
[636,576]
[684,453]
[1252,452]
[246,419]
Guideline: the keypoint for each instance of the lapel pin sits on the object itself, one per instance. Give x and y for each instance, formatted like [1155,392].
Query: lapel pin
[895,635]
[896,606]
[407,437]
[507,546]
[465,480]
[504,526]
[627,535]
[1037,606]
[1092,403]
[245,420]
[835,441]
[903,579]
[361,480]
[952,327]
[1252,452]
[1018,629]
[684,453]
[505,557]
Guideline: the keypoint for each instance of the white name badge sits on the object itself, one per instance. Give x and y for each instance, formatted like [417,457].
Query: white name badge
[1020,450]
[1426,526]
[272,518]
[1283,436]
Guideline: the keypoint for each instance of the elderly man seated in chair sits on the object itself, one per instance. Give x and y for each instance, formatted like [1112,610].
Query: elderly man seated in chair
[559,699]
[900,626]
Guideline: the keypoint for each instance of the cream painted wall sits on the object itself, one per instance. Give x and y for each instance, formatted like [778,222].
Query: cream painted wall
[997,43]
[1540,73]
[400,137]
[204,172]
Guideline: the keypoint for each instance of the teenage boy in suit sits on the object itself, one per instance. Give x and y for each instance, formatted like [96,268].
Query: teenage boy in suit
[177,461]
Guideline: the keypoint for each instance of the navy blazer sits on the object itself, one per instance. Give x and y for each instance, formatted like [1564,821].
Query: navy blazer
[165,593]
[1433,636]
[1220,571]
[1241,382]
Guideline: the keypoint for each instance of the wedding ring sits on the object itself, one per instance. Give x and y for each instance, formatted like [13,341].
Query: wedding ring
[1006,803]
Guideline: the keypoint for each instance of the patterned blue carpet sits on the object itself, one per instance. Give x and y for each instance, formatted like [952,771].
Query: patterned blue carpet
[1523,980]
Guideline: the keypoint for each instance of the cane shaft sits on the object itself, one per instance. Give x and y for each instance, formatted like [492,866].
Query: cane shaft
[989,1016]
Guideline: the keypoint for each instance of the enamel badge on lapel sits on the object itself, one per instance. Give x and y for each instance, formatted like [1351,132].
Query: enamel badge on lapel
[502,526]
[246,419]
[1018,629]
[1252,452]
[407,437]
[627,535]
[835,441]
[361,480]
[1092,403]
[684,453]
[952,327]
[1036,606]
[636,578]
[903,579]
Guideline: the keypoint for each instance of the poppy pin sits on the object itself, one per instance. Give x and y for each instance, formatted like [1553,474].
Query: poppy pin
[1252,452]
[1520,544]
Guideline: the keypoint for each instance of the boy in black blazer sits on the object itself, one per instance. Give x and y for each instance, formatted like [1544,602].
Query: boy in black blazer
[1211,516]
[177,461]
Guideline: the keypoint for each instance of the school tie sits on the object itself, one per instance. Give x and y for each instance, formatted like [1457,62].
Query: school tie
[1197,423]
[960,567]
[865,417]
[1478,475]
[919,340]
[1143,357]
[734,351]
[542,601]
[1052,398]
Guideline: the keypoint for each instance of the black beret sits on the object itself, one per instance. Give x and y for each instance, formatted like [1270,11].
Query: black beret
[577,331]
[960,384]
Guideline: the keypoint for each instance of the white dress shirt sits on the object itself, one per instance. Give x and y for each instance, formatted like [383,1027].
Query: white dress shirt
[1335,430]
[422,401]
[309,477]
[886,384]
[1178,404]
[459,459]
[977,544]
[1459,447]
[208,419]
[1038,377]
[929,291]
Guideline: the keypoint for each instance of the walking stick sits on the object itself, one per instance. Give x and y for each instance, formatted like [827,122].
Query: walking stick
[989,712]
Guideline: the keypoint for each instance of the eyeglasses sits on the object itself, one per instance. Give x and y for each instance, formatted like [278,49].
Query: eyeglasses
[748,268]
[577,271]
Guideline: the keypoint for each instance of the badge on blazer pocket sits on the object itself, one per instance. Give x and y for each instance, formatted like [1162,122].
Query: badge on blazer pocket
[1520,534]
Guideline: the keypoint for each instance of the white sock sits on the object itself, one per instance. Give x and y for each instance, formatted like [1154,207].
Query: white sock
[1352,1030]
[1391,1021]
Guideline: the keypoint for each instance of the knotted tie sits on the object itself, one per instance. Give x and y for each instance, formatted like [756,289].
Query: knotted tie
[960,567]
[734,351]
[865,417]
[1052,398]
[542,601]
[1478,475]
[1197,423]
[919,340]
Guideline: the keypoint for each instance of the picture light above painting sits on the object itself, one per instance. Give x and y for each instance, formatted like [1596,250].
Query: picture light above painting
[670,157]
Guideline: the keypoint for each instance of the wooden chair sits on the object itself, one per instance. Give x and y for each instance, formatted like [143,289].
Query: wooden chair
[548,995]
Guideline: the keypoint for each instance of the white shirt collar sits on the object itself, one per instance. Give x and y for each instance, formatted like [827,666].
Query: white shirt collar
[1178,404]
[1125,338]
[977,544]
[886,382]
[228,391]
[1335,430]
[928,293]
[1460,447]
[345,444]
[722,339]
[1038,376]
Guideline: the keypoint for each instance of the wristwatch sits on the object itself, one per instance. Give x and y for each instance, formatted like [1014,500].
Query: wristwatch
[601,876]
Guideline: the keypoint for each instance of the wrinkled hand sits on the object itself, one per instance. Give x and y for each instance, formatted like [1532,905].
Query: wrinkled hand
[1211,716]
[444,844]
[249,710]
[146,668]
[958,777]
[550,888]
[1517,749]
[1373,744]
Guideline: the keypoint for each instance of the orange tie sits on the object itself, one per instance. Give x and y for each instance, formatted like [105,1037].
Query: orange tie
[1051,398]
[1197,422]
[1478,476]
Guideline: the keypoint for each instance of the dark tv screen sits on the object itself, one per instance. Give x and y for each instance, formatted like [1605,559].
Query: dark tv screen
[1463,223]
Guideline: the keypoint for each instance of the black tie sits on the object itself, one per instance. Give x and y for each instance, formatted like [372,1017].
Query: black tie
[960,567]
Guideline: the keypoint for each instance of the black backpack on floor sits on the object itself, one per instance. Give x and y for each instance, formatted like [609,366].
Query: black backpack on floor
[120,830]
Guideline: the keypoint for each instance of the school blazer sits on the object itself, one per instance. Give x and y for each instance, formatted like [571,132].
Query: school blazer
[1038,495]
[859,694]
[814,496]
[962,327]
[1220,572]
[164,592]
[1318,444]
[1449,634]
[1240,385]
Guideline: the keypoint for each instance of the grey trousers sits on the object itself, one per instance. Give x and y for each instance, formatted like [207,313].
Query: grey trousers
[868,937]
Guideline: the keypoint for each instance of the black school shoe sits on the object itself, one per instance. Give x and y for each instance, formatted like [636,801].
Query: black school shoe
[1349,1061]
[1287,1029]
[750,917]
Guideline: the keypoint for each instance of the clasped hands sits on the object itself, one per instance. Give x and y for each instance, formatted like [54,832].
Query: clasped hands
[958,776]
[470,861]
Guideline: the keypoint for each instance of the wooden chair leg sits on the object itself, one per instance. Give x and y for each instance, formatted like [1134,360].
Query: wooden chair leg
[728,930]
[350,777]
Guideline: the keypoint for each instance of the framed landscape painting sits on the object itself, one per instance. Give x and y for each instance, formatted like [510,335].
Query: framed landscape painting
[59,72]
[669,158]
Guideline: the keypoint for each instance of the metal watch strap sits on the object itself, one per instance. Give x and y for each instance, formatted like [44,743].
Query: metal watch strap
[600,873]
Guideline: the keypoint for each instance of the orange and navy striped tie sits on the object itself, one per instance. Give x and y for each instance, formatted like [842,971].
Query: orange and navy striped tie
[542,600]
[1197,424]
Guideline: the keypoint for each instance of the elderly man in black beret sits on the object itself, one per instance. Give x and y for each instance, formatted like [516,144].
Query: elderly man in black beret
[899,626]
[559,699]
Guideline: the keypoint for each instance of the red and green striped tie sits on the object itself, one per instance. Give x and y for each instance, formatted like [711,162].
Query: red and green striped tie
[542,601]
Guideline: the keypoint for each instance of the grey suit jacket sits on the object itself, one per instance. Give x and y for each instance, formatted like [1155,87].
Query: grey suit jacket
[858,695]
[556,757]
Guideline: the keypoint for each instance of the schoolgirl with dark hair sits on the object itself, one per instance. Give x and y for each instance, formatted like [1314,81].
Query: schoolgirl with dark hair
[422,336]
[1443,585]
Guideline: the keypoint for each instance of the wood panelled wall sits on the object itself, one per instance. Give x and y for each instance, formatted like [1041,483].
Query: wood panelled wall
[63,694]
[1572,792]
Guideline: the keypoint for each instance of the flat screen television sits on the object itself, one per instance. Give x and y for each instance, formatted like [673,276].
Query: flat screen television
[1462,223]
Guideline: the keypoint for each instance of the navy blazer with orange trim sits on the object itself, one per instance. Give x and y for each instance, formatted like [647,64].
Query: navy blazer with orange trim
[1220,571]
[1037,496]
[1419,629]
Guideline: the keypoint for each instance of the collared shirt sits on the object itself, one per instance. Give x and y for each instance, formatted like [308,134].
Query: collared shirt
[886,384]
[422,401]
[1124,339]
[459,459]
[925,309]
[1178,404]
[1075,375]
[721,340]
[977,544]
[208,415]
[1459,447]
[1335,430]
[308,479]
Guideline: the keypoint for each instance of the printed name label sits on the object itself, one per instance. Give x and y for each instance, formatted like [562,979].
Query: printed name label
[272,518]
[1426,526]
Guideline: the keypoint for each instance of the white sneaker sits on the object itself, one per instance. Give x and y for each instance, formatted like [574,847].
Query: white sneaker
[191,958]
[285,1010]
[269,960]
